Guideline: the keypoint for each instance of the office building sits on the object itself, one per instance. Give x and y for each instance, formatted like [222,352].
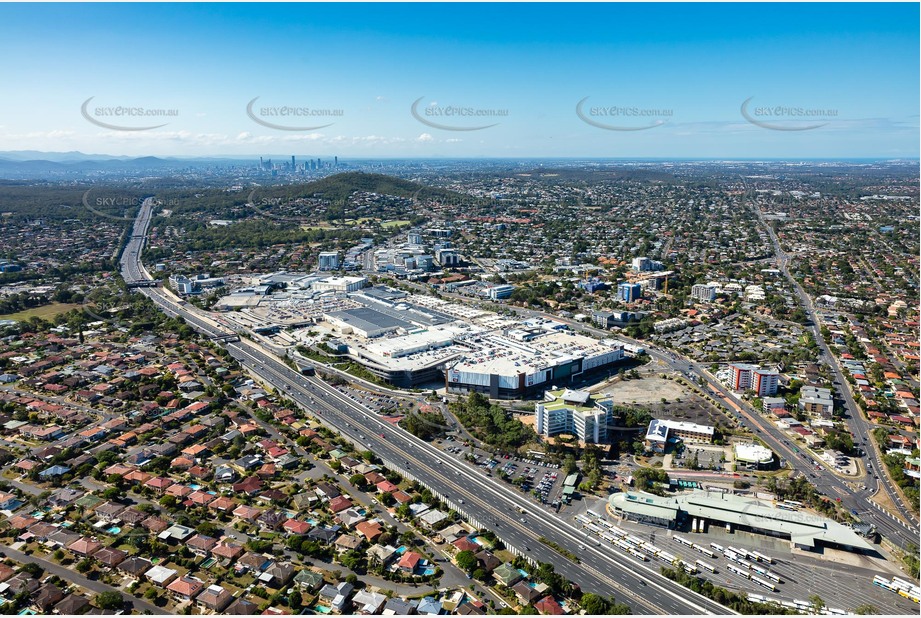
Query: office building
[328,260]
[644,264]
[425,262]
[610,319]
[703,292]
[414,238]
[629,292]
[661,433]
[447,257]
[593,285]
[574,412]
[498,292]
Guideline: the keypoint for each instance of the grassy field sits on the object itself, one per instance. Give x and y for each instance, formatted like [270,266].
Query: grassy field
[45,312]
[388,224]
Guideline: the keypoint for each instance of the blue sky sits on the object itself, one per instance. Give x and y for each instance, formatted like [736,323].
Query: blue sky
[683,71]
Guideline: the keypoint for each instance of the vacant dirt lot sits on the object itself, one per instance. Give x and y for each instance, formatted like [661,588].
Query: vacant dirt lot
[645,391]
[649,391]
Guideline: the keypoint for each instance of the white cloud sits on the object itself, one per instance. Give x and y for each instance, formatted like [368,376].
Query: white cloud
[425,137]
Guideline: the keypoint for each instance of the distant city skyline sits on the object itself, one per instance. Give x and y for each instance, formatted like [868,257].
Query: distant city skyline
[619,81]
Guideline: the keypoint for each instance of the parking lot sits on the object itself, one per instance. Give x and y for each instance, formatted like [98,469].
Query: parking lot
[379,404]
[530,475]
[706,458]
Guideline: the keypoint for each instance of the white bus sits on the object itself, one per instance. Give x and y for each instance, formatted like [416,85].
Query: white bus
[734,569]
[682,540]
[637,554]
[705,566]
[764,583]
[761,557]
[703,550]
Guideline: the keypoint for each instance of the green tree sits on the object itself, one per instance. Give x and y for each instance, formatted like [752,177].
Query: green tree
[569,465]
[817,603]
[109,600]
[208,528]
[466,561]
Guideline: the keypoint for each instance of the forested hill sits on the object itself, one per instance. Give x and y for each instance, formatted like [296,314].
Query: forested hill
[338,187]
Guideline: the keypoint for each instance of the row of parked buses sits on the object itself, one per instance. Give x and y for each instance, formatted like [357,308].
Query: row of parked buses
[735,555]
[751,555]
[691,544]
[797,605]
[898,585]
[741,572]
[633,545]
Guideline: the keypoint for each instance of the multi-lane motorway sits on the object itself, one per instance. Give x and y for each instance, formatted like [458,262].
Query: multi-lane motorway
[518,522]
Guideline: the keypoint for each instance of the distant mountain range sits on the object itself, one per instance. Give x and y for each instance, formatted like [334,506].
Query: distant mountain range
[24,163]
